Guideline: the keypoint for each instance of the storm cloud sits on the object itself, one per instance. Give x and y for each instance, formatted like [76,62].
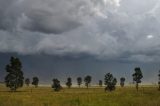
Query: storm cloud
[106,29]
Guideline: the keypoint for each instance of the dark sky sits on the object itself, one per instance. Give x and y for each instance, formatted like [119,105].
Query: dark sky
[61,38]
[47,67]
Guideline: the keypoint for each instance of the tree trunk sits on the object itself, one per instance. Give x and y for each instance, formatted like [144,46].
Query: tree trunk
[137,86]
[36,86]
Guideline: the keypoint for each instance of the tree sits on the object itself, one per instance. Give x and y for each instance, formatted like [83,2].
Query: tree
[79,81]
[14,78]
[56,85]
[122,80]
[100,83]
[159,80]
[110,81]
[137,76]
[87,80]
[27,81]
[69,82]
[35,81]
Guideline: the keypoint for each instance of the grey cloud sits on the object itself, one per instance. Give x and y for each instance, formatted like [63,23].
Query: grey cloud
[58,16]
[42,22]
[106,30]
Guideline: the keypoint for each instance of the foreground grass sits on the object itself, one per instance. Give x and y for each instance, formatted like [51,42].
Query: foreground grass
[45,96]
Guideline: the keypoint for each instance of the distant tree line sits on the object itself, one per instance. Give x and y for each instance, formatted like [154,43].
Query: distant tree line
[34,82]
[15,78]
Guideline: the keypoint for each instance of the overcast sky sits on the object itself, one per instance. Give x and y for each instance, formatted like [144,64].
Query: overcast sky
[81,36]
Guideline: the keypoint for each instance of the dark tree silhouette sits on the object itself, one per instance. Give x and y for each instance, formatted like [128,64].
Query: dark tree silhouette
[56,85]
[100,83]
[27,81]
[137,76]
[14,78]
[35,81]
[87,80]
[69,82]
[159,80]
[110,81]
[79,81]
[122,80]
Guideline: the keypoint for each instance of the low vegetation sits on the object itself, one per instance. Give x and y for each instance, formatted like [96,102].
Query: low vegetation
[45,96]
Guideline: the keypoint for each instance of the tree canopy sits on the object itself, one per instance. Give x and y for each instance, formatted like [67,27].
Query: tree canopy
[69,82]
[100,83]
[14,78]
[87,80]
[56,85]
[79,81]
[27,81]
[122,80]
[110,81]
[159,80]
[137,76]
[35,81]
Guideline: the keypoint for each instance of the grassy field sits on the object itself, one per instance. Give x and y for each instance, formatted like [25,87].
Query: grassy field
[45,96]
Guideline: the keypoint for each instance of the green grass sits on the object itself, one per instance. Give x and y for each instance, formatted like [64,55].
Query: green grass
[45,96]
